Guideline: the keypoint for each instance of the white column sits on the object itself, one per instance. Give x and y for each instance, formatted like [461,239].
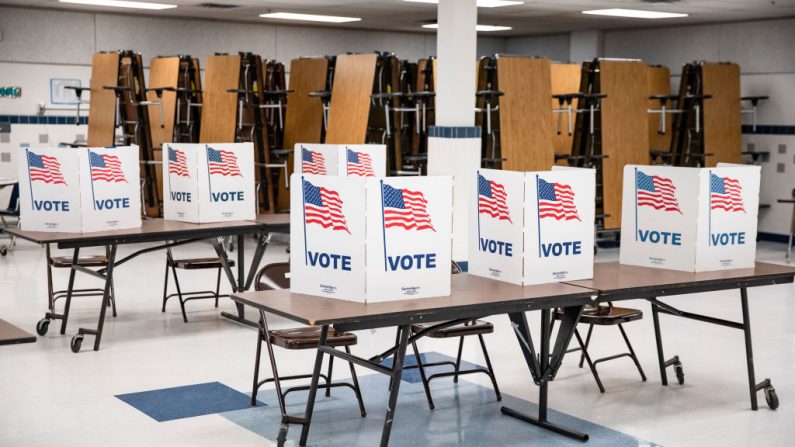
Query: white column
[456,50]
[453,147]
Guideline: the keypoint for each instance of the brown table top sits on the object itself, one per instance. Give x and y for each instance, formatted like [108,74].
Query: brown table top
[10,334]
[150,230]
[471,297]
[613,279]
[273,219]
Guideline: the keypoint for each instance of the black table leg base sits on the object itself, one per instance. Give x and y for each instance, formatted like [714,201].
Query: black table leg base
[545,424]
[239,319]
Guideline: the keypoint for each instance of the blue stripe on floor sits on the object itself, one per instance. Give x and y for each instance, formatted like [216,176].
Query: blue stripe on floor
[412,375]
[187,401]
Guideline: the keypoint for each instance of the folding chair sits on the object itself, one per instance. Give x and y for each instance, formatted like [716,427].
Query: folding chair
[191,264]
[65,262]
[12,211]
[607,315]
[470,328]
[271,277]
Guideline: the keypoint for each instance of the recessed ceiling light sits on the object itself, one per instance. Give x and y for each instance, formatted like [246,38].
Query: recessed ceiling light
[121,4]
[484,28]
[480,3]
[635,13]
[309,17]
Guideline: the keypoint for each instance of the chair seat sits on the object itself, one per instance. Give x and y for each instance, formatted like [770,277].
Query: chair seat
[200,263]
[604,316]
[309,338]
[460,330]
[84,261]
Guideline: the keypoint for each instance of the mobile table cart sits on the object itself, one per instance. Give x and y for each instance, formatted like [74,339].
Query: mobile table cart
[615,282]
[472,297]
[151,230]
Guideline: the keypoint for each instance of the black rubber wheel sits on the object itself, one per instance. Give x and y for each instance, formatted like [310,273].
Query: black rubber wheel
[77,342]
[680,373]
[771,398]
[42,326]
[3,250]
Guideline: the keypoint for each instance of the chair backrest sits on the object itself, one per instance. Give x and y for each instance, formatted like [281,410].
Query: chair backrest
[455,268]
[13,202]
[272,277]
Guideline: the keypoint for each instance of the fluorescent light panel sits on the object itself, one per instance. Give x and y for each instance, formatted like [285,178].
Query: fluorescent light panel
[480,3]
[484,28]
[121,4]
[309,17]
[635,13]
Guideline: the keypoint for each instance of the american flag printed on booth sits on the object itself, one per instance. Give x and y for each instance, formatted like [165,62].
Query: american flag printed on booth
[359,164]
[724,194]
[323,206]
[312,162]
[45,168]
[492,199]
[106,168]
[556,200]
[223,162]
[405,209]
[177,163]
[656,192]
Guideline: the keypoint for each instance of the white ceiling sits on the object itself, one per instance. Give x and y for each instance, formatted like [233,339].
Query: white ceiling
[533,17]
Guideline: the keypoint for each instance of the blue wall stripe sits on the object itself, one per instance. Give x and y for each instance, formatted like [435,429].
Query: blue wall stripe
[39,119]
[768,130]
[454,132]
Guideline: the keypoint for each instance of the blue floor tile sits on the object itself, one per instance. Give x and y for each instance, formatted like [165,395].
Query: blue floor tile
[412,375]
[187,401]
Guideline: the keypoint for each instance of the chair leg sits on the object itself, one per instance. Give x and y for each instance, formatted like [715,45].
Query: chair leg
[179,293]
[165,285]
[255,388]
[50,291]
[328,377]
[632,353]
[423,378]
[587,343]
[488,365]
[218,286]
[356,388]
[458,359]
[591,365]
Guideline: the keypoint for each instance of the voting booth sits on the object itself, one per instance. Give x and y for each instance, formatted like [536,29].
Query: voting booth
[209,182]
[347,160]
[532,227]
[369,240]
[79,190]
[690,219]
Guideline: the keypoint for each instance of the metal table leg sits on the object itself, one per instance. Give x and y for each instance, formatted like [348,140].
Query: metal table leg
[310,403]
[107,275]
[238,284]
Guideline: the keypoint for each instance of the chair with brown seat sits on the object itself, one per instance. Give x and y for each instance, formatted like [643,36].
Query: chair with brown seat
[192,264]
[470,328]
[272,277]
[605,315]
[59,262]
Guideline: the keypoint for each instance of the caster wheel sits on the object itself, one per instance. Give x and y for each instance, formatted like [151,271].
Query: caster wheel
[3,250]
[77,342]
[680,373]
[42,326]
[771,398]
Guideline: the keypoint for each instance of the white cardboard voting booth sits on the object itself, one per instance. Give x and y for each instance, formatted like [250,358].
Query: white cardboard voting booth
[327,236]
[79,190]
[208,182]
[110,192]
[351,160]
[690,219]
[532,227]
[406,223]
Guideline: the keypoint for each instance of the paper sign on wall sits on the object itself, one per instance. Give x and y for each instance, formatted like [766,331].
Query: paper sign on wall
[109,188]
[49,180]
[209,182]
[327,240]
[409,237]
[670,214]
